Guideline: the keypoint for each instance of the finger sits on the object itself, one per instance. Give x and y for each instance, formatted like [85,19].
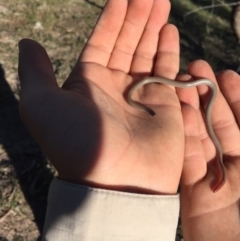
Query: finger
[36,78]
[187,95]
[135,21]
[194,167]
[223,121]
[167,59]
[146,51]
[102,40]
[190,96]
[229,83]
[166,65]
[35,69]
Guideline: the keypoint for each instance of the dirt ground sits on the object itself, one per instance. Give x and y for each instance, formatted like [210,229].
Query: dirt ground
[63,28]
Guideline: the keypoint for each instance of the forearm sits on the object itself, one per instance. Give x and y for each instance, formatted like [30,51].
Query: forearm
[80,213]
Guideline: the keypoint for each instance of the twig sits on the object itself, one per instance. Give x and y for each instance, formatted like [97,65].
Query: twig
[94,4]
[212,6]
[211,16]
[6,215]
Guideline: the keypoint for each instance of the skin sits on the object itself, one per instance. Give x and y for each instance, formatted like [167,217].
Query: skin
[208,216]
[220,169]
[86,128]
[93,137]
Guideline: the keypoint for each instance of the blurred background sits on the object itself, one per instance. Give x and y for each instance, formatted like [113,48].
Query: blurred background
[208,30]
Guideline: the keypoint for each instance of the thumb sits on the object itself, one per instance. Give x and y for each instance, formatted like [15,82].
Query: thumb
[194,167]
[35,69]
[36,78]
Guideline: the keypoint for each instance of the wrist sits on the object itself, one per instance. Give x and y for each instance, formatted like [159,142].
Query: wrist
[119,188]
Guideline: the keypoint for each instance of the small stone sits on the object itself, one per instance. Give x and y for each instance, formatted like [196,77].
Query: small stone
[38,26]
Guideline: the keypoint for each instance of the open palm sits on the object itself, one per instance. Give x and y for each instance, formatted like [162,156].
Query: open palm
[86,128]
[207,215]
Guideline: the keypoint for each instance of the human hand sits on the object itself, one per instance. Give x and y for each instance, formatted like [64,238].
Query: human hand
[207,215]
[86,128]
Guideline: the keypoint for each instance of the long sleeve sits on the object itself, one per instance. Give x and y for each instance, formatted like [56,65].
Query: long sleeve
[78,213]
